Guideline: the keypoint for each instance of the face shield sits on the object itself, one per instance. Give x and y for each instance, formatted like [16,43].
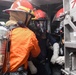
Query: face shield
[39,27]
[60,27]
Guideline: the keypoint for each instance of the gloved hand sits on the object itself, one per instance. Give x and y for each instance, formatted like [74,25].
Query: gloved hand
[55,53]
[53,59]
[60,60]
[32,68]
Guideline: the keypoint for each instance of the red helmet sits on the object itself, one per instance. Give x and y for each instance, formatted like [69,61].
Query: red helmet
[58,14]
[21,5]
[39,14]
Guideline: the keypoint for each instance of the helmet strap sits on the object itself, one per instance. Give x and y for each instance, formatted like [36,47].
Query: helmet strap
[27,21]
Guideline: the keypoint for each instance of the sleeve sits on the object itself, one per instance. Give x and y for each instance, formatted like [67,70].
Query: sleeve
[36,49]
[51,39]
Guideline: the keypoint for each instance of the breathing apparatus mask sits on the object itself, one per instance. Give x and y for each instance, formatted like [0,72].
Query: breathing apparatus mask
[39,27]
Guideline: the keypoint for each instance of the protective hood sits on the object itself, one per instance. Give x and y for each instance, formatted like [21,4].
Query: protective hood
[15,17]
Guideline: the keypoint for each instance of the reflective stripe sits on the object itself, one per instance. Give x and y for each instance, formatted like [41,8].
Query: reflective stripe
[26,9]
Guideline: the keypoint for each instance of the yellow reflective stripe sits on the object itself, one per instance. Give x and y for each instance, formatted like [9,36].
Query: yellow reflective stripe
[33,18]
[26,9]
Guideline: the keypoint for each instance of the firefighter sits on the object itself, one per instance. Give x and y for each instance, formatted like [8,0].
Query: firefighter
[58,50]
[23,40]
[39,26]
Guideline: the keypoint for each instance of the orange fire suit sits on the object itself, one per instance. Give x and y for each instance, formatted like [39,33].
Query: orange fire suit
[23,43]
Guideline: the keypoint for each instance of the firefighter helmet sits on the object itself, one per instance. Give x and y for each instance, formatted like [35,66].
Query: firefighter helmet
[39,23]
[58,14]
[21,5]
[39,14]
